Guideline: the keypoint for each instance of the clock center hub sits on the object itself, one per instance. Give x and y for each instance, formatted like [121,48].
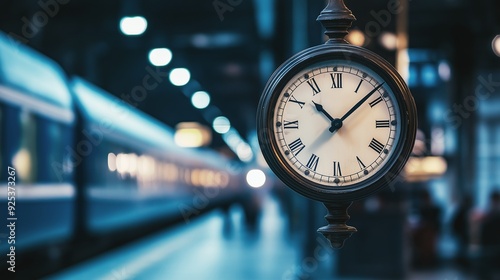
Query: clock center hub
[336,125]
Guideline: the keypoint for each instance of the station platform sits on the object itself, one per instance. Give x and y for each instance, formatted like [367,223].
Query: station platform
[214,246]
[219,246]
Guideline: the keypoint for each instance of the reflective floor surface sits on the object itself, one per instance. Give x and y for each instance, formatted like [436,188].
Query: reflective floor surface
[219,246]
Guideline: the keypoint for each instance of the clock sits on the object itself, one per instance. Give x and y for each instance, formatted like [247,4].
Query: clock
[336,122]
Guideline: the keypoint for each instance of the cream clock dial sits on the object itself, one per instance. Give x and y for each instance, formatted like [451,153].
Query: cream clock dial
[336,123]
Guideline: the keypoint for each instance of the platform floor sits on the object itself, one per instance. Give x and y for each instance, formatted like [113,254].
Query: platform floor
[218,246]
[215,246]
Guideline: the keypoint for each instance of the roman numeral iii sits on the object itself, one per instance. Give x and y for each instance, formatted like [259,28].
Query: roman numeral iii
[382,124]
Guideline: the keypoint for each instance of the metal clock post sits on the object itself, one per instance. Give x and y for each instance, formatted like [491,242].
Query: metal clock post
[336,18]
[298,96]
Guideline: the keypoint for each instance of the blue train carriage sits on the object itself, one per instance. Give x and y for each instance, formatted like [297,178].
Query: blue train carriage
[132,172]
[36,131]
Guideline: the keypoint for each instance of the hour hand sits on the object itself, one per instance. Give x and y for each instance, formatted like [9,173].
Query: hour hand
[320,108]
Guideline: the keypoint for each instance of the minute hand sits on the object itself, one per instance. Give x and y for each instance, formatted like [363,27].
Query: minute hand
[337,124]
[361,102]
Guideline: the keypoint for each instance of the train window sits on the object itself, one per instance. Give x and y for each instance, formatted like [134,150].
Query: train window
[54,138]
[10,137]
[129,168]
[25,156]
[1,142]
[18,143]
[107,173]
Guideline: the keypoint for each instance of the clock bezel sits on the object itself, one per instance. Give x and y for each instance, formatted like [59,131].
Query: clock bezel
[266,129]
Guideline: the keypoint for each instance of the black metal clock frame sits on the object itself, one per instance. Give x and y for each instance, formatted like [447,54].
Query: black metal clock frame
[336,19]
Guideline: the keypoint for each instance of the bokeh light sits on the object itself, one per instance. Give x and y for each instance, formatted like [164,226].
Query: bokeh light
[180,76]
[200,99]
[160,56]
[133,26]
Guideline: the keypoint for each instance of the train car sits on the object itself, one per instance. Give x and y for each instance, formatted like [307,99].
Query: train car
[80,167]
[133,173]
[37,122]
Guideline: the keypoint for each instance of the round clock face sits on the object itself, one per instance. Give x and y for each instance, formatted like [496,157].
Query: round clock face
[336,123]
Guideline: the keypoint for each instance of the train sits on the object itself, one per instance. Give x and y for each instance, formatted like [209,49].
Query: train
[78,164]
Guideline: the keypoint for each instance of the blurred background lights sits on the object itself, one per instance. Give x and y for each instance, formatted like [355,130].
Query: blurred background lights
[160,56]
[495,44]
[133,25]
[356,37]
[200,40]
[429,75]
[239,146]
[221,125]
[111,162]
[180,76]
[232,138]
[244,152]
[388,40]
[425,167]
[444,71]
[200,99]
[256,178]
[122,163]
[192,135]
[23,163]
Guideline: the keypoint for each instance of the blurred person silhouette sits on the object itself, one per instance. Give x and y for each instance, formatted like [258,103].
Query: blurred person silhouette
[460,225]
[426,233]
[490,240]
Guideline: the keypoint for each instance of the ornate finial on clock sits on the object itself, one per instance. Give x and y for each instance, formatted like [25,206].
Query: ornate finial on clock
[337,231]
[336,18]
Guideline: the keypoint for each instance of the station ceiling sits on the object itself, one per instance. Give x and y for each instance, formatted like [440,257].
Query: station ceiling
[224,43]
